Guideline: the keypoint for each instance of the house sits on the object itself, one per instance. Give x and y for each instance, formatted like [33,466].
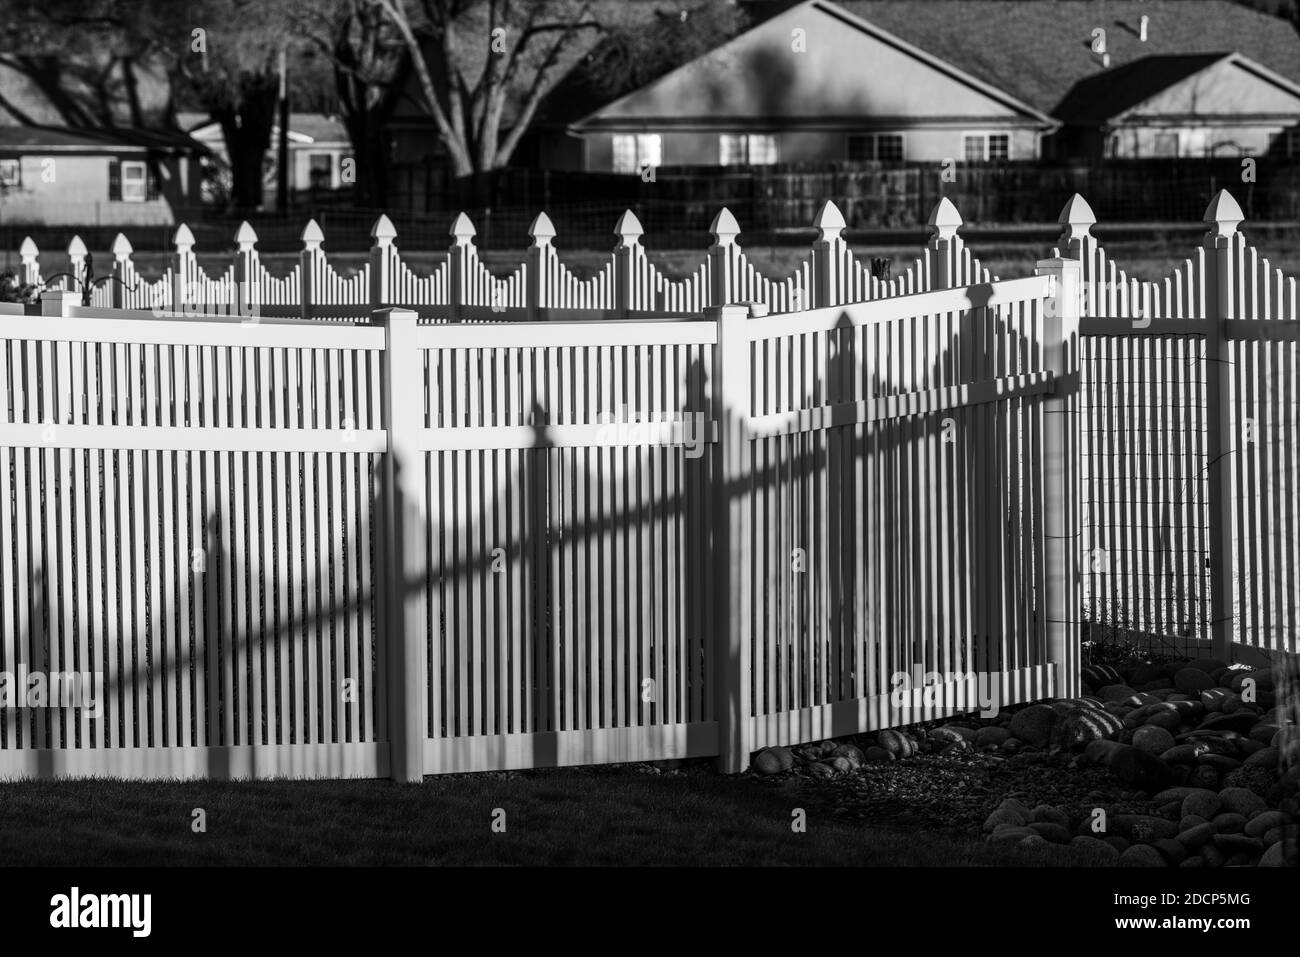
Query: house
[814,83]
[122,177]
[970,80]
[319,150]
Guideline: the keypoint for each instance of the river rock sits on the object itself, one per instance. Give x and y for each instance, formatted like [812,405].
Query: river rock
[773,760]
[1243,802]
[1141,855]
[1194,837]
[1115,692]
[1191,680]
[1152,739]
[1140,770]
[991,736]
[1033,725]
[1202,802]
[1263,822]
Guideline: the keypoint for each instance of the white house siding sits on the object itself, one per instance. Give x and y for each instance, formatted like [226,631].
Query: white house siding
[76,196]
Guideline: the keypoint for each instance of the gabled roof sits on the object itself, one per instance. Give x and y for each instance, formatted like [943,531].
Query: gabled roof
[65,139]
[749,75]
[1039,50]
[303,127]
[1123,89]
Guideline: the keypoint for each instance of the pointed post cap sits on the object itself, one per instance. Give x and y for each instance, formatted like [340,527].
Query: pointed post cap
[184,239]
[76,248]
[542,230]
[245,236]
[383,232]
[830,222]
[1077,217]
[121,248]
[462,230]
[944,219]
[312,235]
[28,249]
[1225,213]
[725,229]
[628,229]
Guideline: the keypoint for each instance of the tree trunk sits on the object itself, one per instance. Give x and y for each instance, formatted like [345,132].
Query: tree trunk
[369,149]
[247,131]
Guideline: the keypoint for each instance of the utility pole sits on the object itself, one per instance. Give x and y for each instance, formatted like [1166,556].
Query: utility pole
[282,164]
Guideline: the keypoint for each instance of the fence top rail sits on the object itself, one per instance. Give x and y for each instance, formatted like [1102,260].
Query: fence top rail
[918,305]
[582,332]
[88,325]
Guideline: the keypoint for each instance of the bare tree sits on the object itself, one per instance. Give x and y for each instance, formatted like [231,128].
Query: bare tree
[471,58]
[370,70]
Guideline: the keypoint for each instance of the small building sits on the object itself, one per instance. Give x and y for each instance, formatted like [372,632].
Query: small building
[81,177]
[319,151]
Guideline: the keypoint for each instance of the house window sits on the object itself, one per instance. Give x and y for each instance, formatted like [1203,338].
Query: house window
[1291,141]
[746,149]
[134,177]
[1164,144]
[320,170]
[883,147]
[984,147]
[10,172]
[634,153]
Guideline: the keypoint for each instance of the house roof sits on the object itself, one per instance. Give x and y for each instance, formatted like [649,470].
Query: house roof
[863,70]
[303,127]
[1039,50]
[65,139]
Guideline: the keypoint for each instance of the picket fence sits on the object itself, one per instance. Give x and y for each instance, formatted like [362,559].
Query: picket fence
[461,287]
[417,540]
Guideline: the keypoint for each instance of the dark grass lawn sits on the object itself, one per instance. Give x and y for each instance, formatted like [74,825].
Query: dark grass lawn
[607,816]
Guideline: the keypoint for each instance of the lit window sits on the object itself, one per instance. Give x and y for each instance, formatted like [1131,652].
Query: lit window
[747,149]
[632,154]
[983,147]
[10,172]
[884,147]
[133,182]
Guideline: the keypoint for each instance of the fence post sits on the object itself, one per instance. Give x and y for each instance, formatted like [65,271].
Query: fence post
[629,232]
[539,256]
[732,538]
[1076,239]
[248,297]
[1060,473]
[58,303]
[121,250]
[403,531]
[382,252]
[460,256]
[945,245]
[312,237]
[30,256]
[828,254]
[182,268]
[77,253]
[722,259]
[1224,215]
